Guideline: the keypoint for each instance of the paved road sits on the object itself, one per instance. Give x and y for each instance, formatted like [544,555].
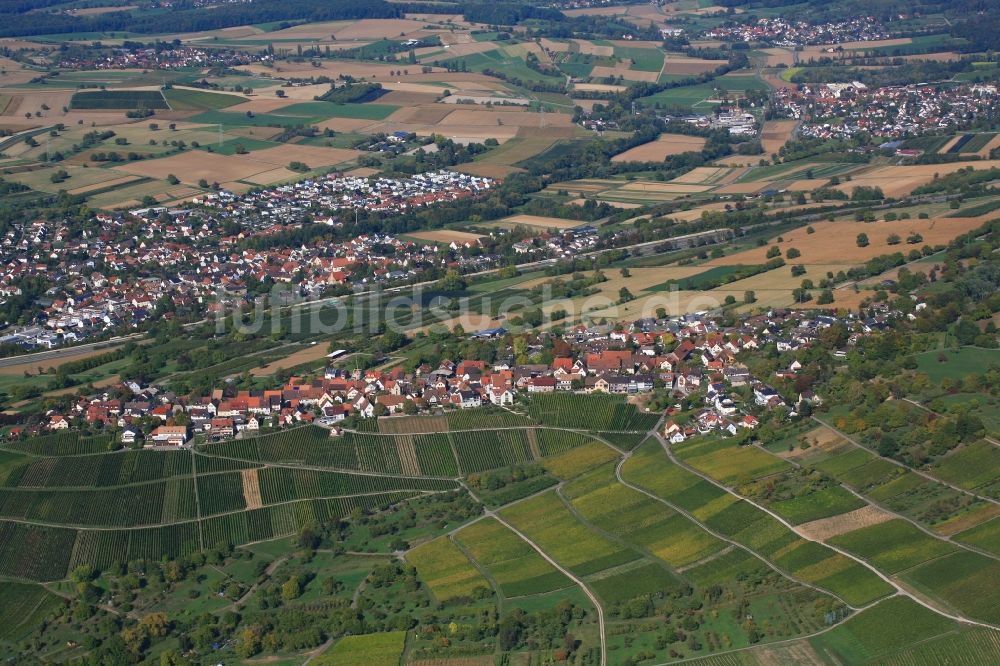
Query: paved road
[62,352]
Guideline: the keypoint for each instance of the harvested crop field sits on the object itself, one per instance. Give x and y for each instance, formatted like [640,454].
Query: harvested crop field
[836,242]
[664,146]
[471,117]
[702,175]
[591,48]
[446,236]
[672,188]
[805,185]
[897,181]
[425,115]
[598,87]
[517,149]
[312,155]
[776,134]
[498,171]
[192,166]
[742,188]
[114,182]
[537,221]
[613,10]
[684,65]
[989,147]
[603,72]
[346,124]
[306,355]
[407,98]
[695,213]
[640,279]
[826,528]
[779,56]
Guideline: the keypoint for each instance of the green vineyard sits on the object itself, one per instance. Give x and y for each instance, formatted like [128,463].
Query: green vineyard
[120,468]
[67,443]
[124,506]
[282,484]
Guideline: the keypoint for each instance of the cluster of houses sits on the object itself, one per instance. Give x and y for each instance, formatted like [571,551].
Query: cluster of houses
[102,282]
[688,356]
[841,110]
[336,192]
[164,57]
[780,31]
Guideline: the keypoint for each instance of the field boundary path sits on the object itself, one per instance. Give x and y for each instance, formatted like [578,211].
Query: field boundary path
[895,462]
[732,543]
[900,589]
[566,572]
[895,514]
[492,513]
[931,411]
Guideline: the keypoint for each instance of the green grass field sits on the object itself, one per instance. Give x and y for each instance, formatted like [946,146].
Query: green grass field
[446,570]
[643,59]
[958,362]
[365,650]
[821,504]
[182,99]
[118,99]
[985,536]
[728,463]
[971,466]
[696,96]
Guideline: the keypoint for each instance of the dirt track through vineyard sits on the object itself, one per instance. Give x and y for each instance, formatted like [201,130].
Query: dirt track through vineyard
[407,455]
[251,488]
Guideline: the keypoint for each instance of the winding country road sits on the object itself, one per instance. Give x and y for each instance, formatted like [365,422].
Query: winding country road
[900,590]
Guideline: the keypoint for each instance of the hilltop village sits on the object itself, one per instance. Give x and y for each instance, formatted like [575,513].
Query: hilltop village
[701,369]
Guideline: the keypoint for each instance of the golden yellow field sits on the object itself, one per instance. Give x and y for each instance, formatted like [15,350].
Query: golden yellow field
[306,355]
[602,71]
[537,221]
[897,181]
[658,150]
[836,242]
[445,236]
[191,166]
